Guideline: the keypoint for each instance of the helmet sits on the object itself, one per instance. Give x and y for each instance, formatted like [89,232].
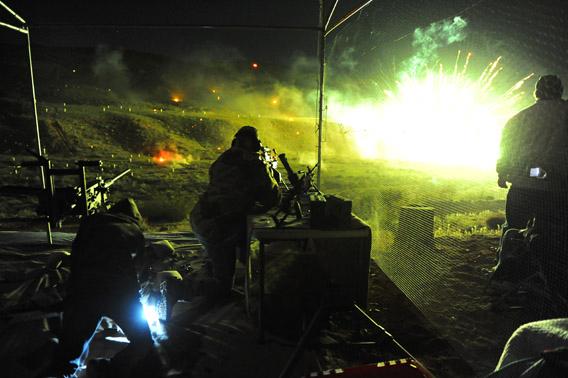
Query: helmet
[247,133]
[548,87]
[127,207]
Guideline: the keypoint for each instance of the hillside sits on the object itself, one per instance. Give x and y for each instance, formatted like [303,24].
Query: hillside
[118,106]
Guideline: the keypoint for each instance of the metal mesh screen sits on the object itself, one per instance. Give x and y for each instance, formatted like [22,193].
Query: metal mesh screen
[436,211]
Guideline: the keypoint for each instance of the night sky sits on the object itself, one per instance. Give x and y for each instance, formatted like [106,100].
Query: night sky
[64,22]
[532,35]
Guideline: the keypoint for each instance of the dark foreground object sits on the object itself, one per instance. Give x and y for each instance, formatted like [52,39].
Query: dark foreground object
[219,340]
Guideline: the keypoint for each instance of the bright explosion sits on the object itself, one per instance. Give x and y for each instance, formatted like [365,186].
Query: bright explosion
[440,118]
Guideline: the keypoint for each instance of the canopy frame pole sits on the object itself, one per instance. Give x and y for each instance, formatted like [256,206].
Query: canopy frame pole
[25,30]
[321,56]
[38,138]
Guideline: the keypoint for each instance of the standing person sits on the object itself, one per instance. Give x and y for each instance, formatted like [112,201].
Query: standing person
[239,183]
[534,159]
[103,282]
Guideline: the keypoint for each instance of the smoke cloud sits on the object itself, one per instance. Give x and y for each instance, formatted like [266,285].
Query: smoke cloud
[428,41]
[109,69]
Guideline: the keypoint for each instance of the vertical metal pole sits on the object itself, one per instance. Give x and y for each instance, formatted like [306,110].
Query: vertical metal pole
[262,272]
[321,55]
[83,183]
[248,268]
[38,138]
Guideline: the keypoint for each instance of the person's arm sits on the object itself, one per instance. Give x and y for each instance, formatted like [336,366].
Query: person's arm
[268,192]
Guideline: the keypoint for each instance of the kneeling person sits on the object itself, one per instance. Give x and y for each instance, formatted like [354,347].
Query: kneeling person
[103,282]
[240,183]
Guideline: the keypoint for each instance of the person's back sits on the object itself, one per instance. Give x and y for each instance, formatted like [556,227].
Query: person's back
[237,180]
[534,159]
[101,258]
[536,137]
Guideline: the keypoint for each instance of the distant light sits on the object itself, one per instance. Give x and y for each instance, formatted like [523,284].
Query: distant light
[274,101]
[218,98]
[255,66]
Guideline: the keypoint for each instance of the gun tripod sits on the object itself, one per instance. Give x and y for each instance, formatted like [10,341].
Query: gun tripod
[291,206]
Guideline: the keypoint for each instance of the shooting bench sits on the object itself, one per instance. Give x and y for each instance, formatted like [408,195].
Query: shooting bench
[342,253]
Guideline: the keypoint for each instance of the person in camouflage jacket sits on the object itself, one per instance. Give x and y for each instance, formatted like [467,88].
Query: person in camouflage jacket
[240,183]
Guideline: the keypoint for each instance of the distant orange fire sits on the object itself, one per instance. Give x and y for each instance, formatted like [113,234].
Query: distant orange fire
[176,99]
[164,157]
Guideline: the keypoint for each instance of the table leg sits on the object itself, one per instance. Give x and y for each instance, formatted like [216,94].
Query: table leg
[261,293]
[248,272]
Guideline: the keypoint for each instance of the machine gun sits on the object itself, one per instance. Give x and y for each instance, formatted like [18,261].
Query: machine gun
[55,204]
[98,192]
[298,194]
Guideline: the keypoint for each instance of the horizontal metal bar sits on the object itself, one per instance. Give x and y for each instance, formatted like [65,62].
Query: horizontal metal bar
[176,26]
[21,30]
[347,17]
[13,13]
[330,15]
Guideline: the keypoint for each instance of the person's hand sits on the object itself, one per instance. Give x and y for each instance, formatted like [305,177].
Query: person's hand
[502,182]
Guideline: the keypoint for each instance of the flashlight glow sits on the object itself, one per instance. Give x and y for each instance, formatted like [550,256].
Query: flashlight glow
[152,317]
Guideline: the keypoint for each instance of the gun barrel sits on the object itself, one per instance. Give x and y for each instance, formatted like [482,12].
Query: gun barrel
[292,176]
[117,177]
[99,184]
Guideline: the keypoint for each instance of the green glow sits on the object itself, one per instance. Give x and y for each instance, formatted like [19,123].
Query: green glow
[438,118]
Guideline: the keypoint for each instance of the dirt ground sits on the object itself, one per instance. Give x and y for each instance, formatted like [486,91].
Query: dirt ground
[450,287]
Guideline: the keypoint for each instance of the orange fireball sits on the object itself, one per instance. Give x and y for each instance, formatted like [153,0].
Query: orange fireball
[163,157]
